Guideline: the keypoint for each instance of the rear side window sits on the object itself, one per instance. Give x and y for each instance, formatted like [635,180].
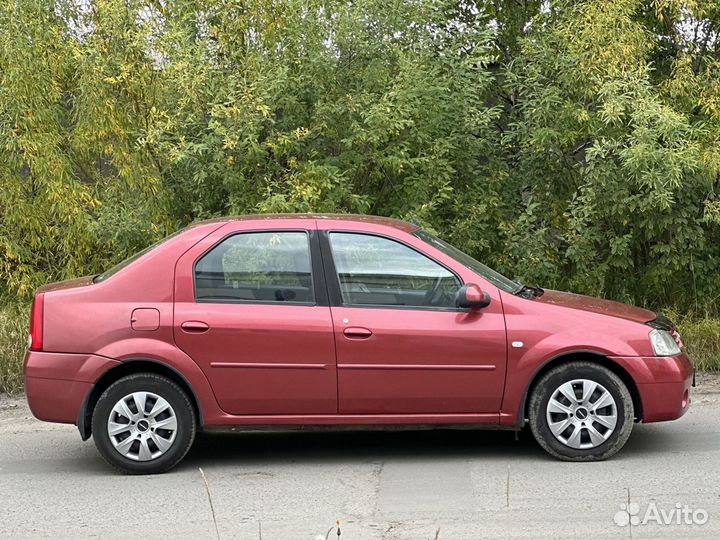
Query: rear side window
[256,267]
[377,271]
[127,262]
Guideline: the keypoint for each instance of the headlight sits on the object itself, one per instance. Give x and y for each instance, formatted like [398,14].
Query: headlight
[663,343]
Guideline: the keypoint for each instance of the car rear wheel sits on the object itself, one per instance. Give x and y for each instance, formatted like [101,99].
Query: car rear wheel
[581,411]
[143,424]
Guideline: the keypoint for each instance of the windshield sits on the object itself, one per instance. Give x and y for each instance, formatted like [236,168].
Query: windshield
[115,269]
[496,278]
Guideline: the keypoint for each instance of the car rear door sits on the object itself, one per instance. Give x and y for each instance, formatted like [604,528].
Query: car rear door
[402,346]
[251,309]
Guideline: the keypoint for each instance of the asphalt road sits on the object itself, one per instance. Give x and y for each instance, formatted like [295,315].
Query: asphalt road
[413,484]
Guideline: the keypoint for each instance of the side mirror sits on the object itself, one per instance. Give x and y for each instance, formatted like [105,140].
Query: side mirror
[472,296]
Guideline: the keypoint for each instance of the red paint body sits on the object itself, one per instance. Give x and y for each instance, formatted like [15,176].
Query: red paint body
[326,363]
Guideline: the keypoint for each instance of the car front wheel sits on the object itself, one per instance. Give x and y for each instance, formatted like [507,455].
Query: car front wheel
[581,411]
[143,424]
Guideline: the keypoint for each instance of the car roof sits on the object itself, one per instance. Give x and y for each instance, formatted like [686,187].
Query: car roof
[357,218]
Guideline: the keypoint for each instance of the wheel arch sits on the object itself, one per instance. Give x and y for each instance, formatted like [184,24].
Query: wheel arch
[130,367]
[586,356]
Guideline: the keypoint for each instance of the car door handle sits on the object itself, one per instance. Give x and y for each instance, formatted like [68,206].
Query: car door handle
[357,332]
[194,327]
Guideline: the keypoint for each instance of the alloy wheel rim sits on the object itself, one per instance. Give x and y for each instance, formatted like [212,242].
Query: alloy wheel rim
[582,414]
[142,426]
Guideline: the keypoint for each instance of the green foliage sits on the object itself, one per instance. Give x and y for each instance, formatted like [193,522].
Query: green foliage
[13,343]
[702,338]
[570,144]
[613,158]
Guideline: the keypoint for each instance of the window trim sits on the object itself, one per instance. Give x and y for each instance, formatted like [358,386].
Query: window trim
[333,281]
[319,291]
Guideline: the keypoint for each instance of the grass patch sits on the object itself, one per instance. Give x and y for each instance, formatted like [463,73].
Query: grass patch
[13,344]
[702,339]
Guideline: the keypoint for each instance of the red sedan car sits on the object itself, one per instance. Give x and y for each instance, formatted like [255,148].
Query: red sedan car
[328,320]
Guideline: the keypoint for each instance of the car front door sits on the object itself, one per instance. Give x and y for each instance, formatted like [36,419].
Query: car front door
[251,310]
[402,345]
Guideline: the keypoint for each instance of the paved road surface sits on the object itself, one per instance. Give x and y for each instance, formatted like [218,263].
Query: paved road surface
[282,486]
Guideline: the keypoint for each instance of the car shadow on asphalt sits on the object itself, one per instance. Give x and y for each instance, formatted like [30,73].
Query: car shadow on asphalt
[341,446]
[259,448]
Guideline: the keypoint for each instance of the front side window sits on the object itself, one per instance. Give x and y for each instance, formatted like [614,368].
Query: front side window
[373,270]
[256,267]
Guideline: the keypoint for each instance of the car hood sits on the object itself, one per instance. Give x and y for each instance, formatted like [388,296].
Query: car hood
[597,305]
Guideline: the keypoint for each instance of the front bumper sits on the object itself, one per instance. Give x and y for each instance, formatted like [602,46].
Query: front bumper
[663,384]
[56,383]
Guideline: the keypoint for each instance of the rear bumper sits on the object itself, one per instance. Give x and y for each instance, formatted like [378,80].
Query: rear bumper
[663,384]
[56,383]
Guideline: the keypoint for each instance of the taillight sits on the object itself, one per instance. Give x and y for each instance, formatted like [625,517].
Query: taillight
[36,323]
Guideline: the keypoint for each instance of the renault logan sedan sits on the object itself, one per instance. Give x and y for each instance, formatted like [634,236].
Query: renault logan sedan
[329,320]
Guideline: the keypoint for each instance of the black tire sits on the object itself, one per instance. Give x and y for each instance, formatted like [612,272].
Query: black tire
[160,386]
[547,386]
